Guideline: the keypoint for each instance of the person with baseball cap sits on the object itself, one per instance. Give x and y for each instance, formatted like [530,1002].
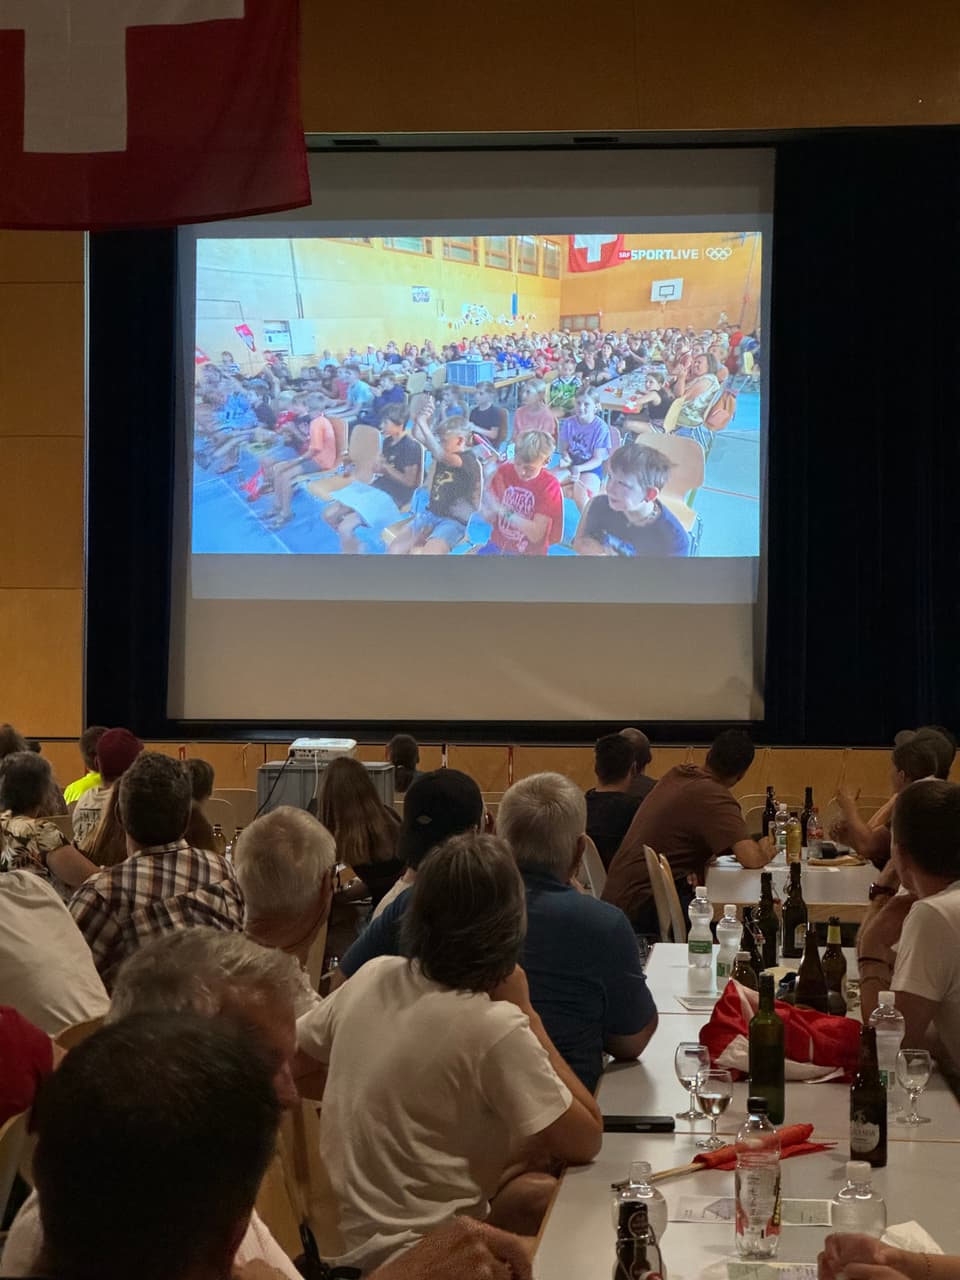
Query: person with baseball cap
[438,805]
[116,751]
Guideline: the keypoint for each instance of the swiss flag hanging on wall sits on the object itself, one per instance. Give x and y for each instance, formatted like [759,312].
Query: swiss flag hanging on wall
[590,253]
[119,113]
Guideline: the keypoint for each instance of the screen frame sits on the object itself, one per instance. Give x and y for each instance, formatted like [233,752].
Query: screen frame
[133,338]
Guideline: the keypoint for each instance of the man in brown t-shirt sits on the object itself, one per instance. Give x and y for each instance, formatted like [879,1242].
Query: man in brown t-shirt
[690,817]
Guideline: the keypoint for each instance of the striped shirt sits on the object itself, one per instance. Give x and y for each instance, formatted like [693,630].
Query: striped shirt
[169,886]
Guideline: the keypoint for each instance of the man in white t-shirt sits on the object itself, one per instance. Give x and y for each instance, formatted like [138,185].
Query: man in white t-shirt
[46,969]
[441,1080]
[923,923]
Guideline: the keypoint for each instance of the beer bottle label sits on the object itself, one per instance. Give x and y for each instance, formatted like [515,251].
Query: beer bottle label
[864,1136]
[800,936]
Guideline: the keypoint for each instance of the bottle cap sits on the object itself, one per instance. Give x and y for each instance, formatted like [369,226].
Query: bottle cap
[858,1171]
[759,1106]
[888,997]
[730,909]
[640,1171]
[701,891]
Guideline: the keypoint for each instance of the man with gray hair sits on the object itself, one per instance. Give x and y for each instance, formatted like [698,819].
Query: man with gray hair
[285,865]
[580,956]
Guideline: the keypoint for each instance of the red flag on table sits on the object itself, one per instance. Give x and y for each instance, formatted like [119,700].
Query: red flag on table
[115,114]
[590,253]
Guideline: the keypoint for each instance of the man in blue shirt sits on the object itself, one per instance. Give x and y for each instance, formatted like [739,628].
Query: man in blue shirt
[580,956]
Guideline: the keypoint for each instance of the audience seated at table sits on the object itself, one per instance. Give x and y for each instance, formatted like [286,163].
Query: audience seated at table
[439,1069]
[690,817]
[911,760]
[641,784]
[610,806]
[365,830]
[116,751]
[164,884]
[27,840]
[285,863]
[88,753]
[909,942]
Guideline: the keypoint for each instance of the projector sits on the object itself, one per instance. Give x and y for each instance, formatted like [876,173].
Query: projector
[322,749]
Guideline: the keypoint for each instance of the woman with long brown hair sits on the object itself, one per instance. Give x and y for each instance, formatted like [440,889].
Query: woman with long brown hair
[365,830]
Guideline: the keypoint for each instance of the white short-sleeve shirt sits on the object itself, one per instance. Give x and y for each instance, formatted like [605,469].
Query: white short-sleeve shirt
[430,1093]
[928,962]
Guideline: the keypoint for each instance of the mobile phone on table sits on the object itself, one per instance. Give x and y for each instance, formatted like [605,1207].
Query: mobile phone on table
[638,1124]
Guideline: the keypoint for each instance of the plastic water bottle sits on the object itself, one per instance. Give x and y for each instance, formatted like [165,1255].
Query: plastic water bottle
[780,829]
[638,1189]
[729,933]
[700,942]
[757,1183]
[856,1206]
[889,1024]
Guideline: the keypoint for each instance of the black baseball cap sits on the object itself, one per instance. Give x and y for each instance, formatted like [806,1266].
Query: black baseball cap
[439,804]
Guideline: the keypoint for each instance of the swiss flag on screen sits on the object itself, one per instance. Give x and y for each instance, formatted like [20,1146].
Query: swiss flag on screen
[118,113]
[590,253]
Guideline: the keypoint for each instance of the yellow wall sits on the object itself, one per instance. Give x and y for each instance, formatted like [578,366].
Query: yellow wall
[355,294]
[622,292]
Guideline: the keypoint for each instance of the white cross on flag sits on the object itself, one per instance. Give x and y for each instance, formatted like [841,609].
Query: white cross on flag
[119,113]
[591,253]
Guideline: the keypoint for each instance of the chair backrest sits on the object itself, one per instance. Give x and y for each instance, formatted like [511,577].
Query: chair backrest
[365,445]
[307,1178]
[416,383]
[673,413]
[340,435]
[677,923]
[439,376]
[13,1141]
[594,871]
[70,1037]
[315,955]
[243,801]
[220,813]
[687,464]
[753,816]
[616,439]
[660,899]
[64,823]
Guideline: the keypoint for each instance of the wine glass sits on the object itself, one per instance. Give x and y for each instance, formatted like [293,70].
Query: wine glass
[714,1090]
[913,1073]
[689,1060]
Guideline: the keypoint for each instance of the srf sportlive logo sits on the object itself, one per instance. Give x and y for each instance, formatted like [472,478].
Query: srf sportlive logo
[716,253]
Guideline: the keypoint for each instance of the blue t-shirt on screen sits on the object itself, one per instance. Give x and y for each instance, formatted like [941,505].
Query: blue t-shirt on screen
[582,964]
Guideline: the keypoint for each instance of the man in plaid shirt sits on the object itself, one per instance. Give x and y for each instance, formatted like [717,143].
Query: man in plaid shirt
[164,884]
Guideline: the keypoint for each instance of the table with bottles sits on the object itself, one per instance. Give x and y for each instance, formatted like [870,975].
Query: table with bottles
[827,891]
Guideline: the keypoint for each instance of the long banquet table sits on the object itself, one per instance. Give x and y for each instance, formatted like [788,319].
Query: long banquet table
[827,891]
[577,1242]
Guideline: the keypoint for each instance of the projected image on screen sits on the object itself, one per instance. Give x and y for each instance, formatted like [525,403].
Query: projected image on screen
[525,395]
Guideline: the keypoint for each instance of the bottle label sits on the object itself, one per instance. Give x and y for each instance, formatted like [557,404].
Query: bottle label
[864,1135]
[704,948]
[800,936]
[758,1200]
[724,970]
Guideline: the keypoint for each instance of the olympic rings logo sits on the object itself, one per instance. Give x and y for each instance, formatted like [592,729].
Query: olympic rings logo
[719,255]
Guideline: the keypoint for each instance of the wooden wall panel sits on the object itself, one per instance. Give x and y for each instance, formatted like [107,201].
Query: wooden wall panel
[42,550]
[41,359]
[488,765]
[34,257]
[41,637]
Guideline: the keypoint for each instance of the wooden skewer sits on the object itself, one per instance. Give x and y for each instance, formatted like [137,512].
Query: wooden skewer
[675,1173]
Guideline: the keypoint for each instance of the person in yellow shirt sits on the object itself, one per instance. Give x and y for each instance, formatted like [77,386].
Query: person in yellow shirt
[89,740]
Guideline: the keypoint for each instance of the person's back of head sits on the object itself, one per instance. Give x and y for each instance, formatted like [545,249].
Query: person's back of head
[283,860]
[88,745]
[542,818]
[25,780]
[614,760]
[945,745]
[467,918]
[202,776]
[403,752]
[641,746]
[914,759]
[926,827]
[730,756]
[439,805]
[11,741]
[116,752]
[350,808]
[154,800]
[153,1137]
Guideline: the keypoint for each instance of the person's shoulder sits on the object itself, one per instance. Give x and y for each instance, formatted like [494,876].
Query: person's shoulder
[945,904]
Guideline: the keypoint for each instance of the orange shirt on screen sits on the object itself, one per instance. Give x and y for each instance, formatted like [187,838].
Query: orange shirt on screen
[535,417]
[323,443]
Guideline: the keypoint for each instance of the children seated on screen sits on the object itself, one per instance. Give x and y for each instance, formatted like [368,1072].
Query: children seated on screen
[584,444]
[487,419]
[455,488]
[564,388]
[533,414]
[451,402]
[319,454]
[523,501]
[629,519]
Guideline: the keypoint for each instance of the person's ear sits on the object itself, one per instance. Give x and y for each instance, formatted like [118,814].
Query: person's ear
[652,494]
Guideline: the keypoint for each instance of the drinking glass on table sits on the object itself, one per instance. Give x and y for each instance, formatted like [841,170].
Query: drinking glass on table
[913,1074]
[689,1060]
[714,1089]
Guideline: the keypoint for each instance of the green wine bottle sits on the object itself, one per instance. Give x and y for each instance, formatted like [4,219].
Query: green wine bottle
[794,917]
[767,1052]
[811,984]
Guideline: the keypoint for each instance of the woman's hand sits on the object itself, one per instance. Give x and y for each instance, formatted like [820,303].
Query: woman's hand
[858,1257]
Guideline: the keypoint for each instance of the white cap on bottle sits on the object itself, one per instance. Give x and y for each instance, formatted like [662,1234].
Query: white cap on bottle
[730,909]
[859,1171]
[888,997]
[701,891]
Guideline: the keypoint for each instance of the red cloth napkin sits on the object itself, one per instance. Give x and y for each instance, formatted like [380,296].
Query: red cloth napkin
[793,1142]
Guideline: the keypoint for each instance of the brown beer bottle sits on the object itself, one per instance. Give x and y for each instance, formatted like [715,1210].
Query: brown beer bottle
[811,984]
[868,1105]
[794,917]
[834,961]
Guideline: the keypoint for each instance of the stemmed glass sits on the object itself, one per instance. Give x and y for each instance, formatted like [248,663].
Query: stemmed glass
[913,1073]
[714,1090]
[689,1060]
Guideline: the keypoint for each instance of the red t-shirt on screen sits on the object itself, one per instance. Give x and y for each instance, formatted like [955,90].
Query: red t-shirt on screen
[528,498]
